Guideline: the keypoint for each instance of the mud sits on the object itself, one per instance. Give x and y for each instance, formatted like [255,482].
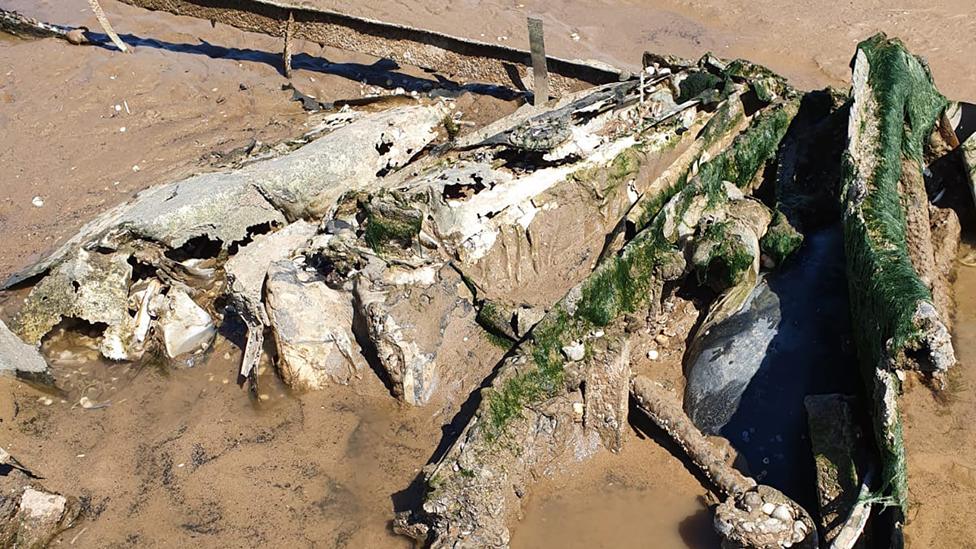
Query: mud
[174,457]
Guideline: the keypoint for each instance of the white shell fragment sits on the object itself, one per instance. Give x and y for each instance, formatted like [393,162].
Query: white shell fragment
[186,327]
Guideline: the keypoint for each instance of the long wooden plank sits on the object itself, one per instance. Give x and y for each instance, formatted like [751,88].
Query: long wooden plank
[466,60]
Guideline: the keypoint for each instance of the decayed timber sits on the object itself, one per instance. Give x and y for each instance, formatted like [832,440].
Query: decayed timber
[895,108]
[524,417]
[463,59]
[21,25]
[752,515]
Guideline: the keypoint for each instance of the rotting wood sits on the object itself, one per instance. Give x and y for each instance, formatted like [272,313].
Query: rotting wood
[752,515]
[463,59]
[21,25]
[540,72]
[897,326]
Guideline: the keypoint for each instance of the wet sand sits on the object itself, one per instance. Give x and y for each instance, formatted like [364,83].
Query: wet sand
[940,438]
[181,458]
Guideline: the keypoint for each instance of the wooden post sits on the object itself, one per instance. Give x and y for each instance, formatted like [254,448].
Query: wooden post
[107,27]
[540,70]
[289,36]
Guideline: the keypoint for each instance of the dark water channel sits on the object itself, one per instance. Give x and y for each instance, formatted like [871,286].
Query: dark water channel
[803,346]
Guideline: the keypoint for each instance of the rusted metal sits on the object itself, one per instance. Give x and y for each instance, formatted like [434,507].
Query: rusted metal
[465,60]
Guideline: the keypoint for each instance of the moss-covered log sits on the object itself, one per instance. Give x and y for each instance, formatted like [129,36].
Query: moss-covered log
[895,107]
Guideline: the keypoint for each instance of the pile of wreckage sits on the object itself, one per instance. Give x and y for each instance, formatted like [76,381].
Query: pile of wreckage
[390,241]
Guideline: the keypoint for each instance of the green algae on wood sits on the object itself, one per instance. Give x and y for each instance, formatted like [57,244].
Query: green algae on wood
[624,283]
[895,108]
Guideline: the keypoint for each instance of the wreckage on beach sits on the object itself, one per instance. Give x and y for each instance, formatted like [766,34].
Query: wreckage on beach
[385,242]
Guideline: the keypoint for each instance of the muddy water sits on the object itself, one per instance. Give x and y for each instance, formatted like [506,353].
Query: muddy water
[645,496]
[940,438]
[179,457]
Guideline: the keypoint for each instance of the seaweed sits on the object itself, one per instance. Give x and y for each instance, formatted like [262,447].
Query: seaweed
[390,223]
[781,239]
[728,256]
[891,119]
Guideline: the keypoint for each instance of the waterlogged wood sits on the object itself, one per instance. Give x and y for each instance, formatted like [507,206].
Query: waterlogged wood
[465,60]
[752,515]
[665,411]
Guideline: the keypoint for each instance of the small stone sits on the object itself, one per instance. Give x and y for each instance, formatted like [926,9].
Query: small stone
[575,351]
[578,411]
[653,354]
[661,339]
[768,508]
[76,37]
[37,201]
[783,513]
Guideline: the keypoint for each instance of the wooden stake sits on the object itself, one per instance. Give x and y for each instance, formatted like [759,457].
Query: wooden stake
[289,33]
[107,27]
[540,69]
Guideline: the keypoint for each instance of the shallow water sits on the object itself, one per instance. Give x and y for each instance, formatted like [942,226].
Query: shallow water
[812,353]
[643,496]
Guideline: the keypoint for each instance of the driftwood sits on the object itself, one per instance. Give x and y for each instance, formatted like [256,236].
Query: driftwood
[752,515]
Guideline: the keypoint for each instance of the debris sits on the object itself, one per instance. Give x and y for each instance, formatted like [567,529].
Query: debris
[896,322]
[312,327]
[17,357]
[246,274]
[835,440]
[37,201]
[33,518]
[91,286]
[530,390]
[186,327]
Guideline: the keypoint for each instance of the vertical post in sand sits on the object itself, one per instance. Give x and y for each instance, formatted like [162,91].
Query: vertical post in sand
[540,70]
[289,32]
[106,26]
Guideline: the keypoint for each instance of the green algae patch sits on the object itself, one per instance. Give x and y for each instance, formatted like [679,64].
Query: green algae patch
[390,224]
[739,163]
[781,239]
[728,258]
